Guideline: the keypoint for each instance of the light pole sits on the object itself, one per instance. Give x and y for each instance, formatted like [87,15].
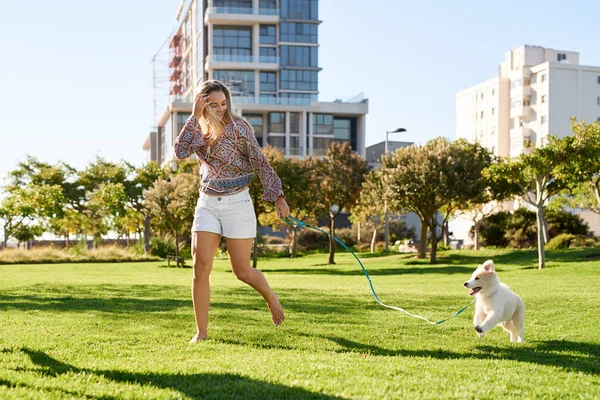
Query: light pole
[387,226]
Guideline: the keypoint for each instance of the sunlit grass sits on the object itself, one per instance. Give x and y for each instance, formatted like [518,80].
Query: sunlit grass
[121,331]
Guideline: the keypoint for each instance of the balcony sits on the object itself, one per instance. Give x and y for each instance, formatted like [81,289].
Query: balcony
[279,101]
[218,15]
[226,61]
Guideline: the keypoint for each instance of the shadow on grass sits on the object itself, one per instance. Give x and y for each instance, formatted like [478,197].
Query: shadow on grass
[372,271]
[571,356]
[528,258]
[194,386]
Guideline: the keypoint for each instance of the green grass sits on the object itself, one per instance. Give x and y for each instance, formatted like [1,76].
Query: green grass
[112,331]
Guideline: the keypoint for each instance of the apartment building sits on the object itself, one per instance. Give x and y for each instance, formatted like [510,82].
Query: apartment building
[266,52]
[535,94]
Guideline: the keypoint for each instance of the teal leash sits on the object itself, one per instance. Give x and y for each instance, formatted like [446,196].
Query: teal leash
[295,222]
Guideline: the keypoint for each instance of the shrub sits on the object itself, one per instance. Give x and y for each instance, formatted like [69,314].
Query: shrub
[562,241]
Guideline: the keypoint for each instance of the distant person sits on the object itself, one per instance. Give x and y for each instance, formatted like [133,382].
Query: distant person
[229,155]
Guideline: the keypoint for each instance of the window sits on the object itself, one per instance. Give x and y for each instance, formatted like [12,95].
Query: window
[482,115]
[300,9]
[268,34]
[256,120]
[291,79]
[229,40]
[299,56]
[268,4]
[320,145]
[481,96]
[268,52]
[181,120]
[240,83]
[276,122]
[543,119]
[493,111]
[277,141]
[268,82]
[493,132]
[493,92]
[294,122]
[598,80]
[298,32]
[323,124]
[543,98]
[295,149]
[560,57]
[306,96]
[598,119]
[233,3]
[342,130]
[598,100]
[543,78]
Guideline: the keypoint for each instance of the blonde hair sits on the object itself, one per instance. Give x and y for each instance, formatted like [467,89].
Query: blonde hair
[210,121]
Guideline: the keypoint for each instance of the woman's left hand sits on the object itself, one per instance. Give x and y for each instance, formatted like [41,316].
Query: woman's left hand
[282,207]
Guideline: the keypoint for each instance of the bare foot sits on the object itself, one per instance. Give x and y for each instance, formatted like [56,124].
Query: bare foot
[276,310]
[198,338]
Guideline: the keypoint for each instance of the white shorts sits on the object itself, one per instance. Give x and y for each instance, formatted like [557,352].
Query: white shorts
[230,216]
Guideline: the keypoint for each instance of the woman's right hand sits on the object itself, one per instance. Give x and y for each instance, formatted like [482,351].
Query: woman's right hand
[200,104]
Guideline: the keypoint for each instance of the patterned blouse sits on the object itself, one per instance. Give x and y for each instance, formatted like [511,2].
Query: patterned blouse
[228,164]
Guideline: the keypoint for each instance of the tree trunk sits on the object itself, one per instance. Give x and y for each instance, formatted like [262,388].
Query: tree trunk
[294,241]
[545,226]
[434,240]
[255,254]
[331,241]
[476,236]
[358,233]
[146,234]
[176,245]
[540,236]
[373,239]
[446,234]
[67,241]
[423,241]
[128,240]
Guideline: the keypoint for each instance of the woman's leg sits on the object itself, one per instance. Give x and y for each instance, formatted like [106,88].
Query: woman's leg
[204,247]
[239,256]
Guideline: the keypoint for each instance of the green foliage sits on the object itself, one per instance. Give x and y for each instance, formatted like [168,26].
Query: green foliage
[562,241]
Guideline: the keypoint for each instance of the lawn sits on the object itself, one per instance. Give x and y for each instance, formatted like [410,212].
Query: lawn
[113,331]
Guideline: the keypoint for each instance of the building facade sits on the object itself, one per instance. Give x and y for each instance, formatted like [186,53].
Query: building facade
[536,93]
[266,52]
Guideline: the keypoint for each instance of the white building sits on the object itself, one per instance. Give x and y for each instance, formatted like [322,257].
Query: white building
[535,94]
[266,52]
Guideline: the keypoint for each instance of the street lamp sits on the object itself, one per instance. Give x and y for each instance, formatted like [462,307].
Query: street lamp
[387,226]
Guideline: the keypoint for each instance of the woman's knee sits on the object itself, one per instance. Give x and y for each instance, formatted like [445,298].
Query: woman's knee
[202,268]
[243,275]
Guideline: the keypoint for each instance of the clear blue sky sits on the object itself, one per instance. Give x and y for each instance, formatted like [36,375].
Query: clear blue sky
[76,79]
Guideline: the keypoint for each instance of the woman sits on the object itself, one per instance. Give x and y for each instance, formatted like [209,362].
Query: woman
[229,154]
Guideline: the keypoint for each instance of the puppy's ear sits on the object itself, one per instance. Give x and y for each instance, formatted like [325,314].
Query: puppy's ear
[488,266]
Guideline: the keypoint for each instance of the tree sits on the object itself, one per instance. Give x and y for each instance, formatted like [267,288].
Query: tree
[435,180]
[296,183]
[338,176]
[368,208]
[536,176]
[172,204]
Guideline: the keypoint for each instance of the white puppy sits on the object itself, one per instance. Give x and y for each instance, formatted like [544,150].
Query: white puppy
[495,304]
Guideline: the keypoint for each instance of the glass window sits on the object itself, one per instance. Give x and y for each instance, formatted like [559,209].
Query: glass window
[240,83]
[543,119]
[268,52]
[268,4]
[543,98]
[307,96]
[276,122]
[560,57]
[320,145]
[341,129]
[291,79]
[268,34]
[323,124]
[598,100]
[298,32]
[598,80]
[300,9]
[181,120]
[299,56]
[268,82]
[543,78]
[233,3]
[294,122]
[295,149]
[256,120]
[277,141]
[493,111]
[231,40]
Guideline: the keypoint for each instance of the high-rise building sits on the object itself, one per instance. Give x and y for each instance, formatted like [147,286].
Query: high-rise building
[536,93]
[266,52]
